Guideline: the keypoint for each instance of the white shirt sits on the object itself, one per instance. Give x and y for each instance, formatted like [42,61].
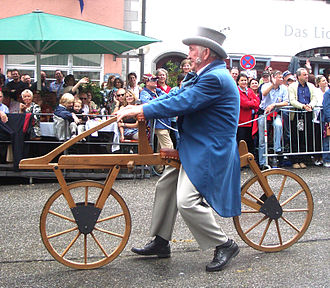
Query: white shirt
[4,108]
[202,69]
[135,90]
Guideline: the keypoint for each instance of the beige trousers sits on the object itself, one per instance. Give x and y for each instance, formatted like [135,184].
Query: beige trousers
[174,192]
[164,139]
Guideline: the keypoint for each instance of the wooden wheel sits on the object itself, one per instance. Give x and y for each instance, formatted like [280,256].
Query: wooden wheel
[75,247]
[272,232]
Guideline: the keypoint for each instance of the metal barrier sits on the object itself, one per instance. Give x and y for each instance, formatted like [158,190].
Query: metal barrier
[307,140]
[301,133]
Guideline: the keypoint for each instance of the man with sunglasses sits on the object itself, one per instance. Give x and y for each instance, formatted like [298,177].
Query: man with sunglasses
[118,99]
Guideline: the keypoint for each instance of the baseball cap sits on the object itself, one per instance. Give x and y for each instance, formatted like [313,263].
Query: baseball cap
[150,77]
[265,74]
[286,73]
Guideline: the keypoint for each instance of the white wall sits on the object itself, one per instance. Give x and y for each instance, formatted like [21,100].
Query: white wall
[258,27]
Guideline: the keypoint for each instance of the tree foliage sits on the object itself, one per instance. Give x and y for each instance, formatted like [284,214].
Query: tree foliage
[173,71]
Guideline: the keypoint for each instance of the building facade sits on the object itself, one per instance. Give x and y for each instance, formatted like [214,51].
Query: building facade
[275,32]
[121,14]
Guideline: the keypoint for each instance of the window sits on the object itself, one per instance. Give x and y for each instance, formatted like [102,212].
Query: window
[80,65]
[54,59]
[20,59]
[87,60]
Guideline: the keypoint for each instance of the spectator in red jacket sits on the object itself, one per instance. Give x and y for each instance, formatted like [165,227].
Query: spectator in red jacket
[248,102]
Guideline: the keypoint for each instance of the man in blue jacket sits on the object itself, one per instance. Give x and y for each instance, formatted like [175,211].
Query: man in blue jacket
[151,92]
[210,166]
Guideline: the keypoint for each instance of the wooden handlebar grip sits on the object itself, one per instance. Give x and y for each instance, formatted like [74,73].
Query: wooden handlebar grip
[140,117]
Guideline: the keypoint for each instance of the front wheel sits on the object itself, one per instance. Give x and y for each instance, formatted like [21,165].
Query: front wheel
[70,244]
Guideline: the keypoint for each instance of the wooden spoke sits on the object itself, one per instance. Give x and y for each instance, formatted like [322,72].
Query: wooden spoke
[110,217]
[250,203]
[278,231]
[86,195]
[70,245]
[255,225]
[254,197]
[265,231]
[292,197]
[61,216]
[296,210]
[290,224]
[282,187]
[250,211]
[85,249]
[297,214]
[62,232]
[109,232]
[83,252]
[99,244]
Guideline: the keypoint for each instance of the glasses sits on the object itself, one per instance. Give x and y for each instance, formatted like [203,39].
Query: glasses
[83,98]
[120,95]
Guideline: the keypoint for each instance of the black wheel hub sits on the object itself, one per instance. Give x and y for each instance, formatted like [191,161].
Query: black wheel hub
[86,216]
[272,208]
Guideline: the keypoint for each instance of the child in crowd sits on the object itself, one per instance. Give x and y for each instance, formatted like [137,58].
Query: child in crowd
[78,128]
[63,113]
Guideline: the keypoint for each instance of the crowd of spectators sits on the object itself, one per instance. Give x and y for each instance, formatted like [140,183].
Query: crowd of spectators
[261,100]
[297,129]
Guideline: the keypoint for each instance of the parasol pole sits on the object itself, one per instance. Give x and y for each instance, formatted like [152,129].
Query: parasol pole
[38,63]
[38,53]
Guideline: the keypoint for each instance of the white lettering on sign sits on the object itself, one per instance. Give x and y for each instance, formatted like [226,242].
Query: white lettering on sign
[302,32]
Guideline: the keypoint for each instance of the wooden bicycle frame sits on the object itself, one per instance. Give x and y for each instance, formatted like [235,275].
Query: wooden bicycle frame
[114,162]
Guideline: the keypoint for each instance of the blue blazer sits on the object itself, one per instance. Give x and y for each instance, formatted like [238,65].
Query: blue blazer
[146,96]
[64,113]
[326,107]
[208,113]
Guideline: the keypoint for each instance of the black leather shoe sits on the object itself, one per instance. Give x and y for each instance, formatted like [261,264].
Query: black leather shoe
[154,248]
[222,256]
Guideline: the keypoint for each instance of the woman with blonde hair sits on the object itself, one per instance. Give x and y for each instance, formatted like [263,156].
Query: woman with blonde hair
[129,127]
[130,98]
[162,76]
[28,106]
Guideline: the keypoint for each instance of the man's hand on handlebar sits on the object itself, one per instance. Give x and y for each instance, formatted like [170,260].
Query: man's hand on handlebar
[129,111]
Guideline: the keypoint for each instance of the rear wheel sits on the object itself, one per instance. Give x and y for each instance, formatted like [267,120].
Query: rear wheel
[266,233]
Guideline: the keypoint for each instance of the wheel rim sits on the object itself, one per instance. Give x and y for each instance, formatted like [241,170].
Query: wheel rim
[61,236]
[295,198]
